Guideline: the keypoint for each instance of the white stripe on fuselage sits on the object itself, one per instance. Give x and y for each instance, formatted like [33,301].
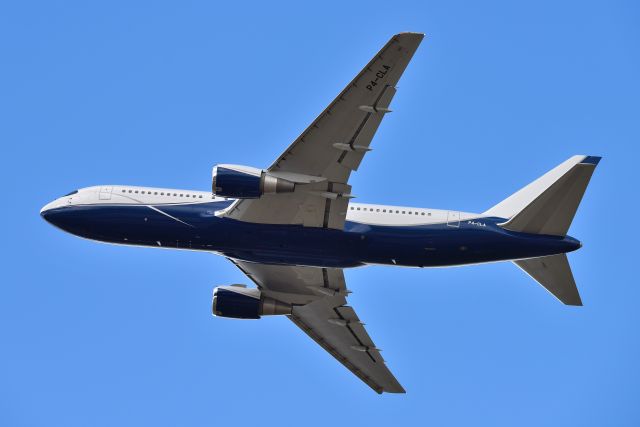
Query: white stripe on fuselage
[357,212]
[403,215]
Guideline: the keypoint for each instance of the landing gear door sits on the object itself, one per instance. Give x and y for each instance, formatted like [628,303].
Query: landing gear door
[453,219]
[105,193]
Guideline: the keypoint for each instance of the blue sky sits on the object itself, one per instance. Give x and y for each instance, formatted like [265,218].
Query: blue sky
[156,93]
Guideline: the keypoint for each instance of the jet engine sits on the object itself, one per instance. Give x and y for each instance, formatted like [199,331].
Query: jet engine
[240,302]
[244,182]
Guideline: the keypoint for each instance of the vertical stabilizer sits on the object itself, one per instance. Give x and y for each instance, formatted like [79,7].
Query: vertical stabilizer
[554,273]
[548,204]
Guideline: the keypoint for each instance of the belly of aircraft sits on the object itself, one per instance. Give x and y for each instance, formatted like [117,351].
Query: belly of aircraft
[197,228]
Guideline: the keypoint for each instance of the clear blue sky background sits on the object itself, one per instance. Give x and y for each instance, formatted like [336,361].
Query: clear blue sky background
[156,93]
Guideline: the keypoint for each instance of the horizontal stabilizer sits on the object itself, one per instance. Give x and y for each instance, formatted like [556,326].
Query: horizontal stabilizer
[554,273]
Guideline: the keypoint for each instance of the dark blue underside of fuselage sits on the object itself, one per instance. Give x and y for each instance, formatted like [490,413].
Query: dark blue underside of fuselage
[199,229]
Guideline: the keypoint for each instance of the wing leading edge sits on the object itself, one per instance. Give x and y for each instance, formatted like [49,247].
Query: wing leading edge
[333,146]
[335,143]
[320,310]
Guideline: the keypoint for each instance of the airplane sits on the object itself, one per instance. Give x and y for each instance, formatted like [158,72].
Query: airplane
[293,227]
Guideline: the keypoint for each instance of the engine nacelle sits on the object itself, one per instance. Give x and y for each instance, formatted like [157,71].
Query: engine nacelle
[244,182]
[239,302]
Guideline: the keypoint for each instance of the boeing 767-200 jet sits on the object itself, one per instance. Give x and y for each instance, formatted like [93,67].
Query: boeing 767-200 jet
[292,227]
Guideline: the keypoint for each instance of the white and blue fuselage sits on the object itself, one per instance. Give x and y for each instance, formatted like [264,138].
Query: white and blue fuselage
[372,234]
[291,228]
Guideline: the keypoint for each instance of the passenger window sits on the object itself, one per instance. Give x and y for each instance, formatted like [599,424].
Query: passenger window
[403,212]
[136,191]
[200,196]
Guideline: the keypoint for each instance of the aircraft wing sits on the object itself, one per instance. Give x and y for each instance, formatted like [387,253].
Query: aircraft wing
[325,317]
[333,146]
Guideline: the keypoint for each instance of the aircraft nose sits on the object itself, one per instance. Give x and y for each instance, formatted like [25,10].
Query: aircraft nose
[48,211]
[59,215]
[46,208]
[65,215]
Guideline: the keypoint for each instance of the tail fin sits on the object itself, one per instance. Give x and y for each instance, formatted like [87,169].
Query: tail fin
[554,273]
[548,204]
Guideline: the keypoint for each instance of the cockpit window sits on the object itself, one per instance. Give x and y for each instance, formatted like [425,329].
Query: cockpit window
[71,194]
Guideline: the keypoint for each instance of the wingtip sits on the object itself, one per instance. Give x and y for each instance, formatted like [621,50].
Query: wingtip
[396,390]
[577,302]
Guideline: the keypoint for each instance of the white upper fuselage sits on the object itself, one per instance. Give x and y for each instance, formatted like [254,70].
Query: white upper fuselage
[373,214]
